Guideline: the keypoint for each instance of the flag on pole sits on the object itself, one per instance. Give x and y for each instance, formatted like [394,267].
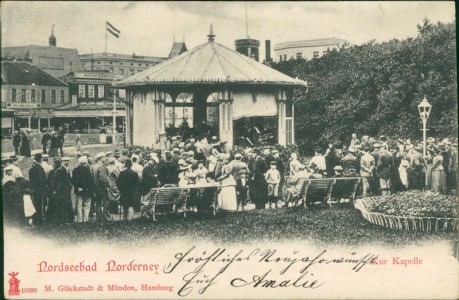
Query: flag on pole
[110,28]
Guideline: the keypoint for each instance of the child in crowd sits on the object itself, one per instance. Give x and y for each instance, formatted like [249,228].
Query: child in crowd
[242,189]
[273,179]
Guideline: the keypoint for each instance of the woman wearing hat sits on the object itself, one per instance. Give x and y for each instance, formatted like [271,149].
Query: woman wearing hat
[25,149]
[78,140]
[438,178]
[227,199]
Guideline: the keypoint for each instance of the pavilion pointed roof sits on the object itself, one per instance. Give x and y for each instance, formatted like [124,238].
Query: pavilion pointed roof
[209,63]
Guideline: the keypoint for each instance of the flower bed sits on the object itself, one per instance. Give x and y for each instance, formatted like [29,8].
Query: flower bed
[412,210]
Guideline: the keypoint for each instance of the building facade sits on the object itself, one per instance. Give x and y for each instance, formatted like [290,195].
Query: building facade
[307,49]
[119,64]
[92,103]
[31,95]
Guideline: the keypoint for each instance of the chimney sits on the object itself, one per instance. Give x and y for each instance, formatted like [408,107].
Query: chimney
[268,51]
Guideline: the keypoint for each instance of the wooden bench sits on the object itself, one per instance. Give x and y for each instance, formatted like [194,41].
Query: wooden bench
[344,188]
[328,190]
[167,199]
[317,191]
[204,198]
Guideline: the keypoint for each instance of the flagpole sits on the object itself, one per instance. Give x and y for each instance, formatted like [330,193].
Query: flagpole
[105,37]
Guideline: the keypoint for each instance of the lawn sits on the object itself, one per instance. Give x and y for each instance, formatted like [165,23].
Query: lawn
[336,226]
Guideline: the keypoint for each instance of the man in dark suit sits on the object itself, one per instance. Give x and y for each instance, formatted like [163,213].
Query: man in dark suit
[350,162]
[383,168]
[63,192]
[37,179]
[16,142]
[101,186]
[44,140]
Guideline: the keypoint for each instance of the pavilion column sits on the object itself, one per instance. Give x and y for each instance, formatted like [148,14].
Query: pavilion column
[144,118]
[128,119]
[226,116]
[159,115]
[281,113]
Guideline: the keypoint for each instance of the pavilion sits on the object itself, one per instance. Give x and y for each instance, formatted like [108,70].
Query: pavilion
[210,84]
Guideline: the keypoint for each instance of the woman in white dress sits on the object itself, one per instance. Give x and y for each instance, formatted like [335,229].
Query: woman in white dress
[402,169]
[227,198]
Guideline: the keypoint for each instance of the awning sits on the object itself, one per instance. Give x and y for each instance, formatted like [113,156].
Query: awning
[254,104]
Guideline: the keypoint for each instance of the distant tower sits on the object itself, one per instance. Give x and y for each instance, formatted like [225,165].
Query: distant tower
[52,38]
[249,47]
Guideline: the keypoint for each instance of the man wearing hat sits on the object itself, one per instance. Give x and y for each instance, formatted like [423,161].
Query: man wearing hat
[45,164]
[149,181]
[83,189]
[44,140]
[452,170]
[63,193]
[367,166]
[237,165]
[37,179]
[295,184]
[113,192]
[350,161]
[101,187]
[16,142]
[383,169]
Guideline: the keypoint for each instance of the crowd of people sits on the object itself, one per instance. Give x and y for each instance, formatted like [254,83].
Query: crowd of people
[105,184]
[51,140]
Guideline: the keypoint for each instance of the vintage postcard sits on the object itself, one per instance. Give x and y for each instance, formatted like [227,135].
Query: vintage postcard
[229,150]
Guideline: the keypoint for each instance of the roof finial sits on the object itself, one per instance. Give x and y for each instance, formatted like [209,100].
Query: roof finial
[52,38]
[211,34]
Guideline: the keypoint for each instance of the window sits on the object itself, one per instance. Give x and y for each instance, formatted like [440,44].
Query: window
[131,71]
[280,57]
[122,64]
[101,91]
[53,96]
[90,91]
[62,97]
[315,54]
[299,55]
[111,62]
[98,62]
[23,95]
[285,56]
[43,96]
[140,65]
[13,95]
[32,96]
[81,91]
[70,66]
[121,71]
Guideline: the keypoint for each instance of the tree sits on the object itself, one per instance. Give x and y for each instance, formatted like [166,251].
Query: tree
[375,88]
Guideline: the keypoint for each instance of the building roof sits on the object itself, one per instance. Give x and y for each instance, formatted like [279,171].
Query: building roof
[121,57]
[309,43]
[206,64]
[26,74]
[53,60]
[177,49]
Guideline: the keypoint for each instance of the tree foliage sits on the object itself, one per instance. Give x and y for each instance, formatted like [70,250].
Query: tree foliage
[375,88]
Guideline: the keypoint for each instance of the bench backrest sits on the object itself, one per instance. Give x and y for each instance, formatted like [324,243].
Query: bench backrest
[161,196]
[344,187]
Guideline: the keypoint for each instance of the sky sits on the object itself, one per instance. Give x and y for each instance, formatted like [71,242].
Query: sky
[149,28]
